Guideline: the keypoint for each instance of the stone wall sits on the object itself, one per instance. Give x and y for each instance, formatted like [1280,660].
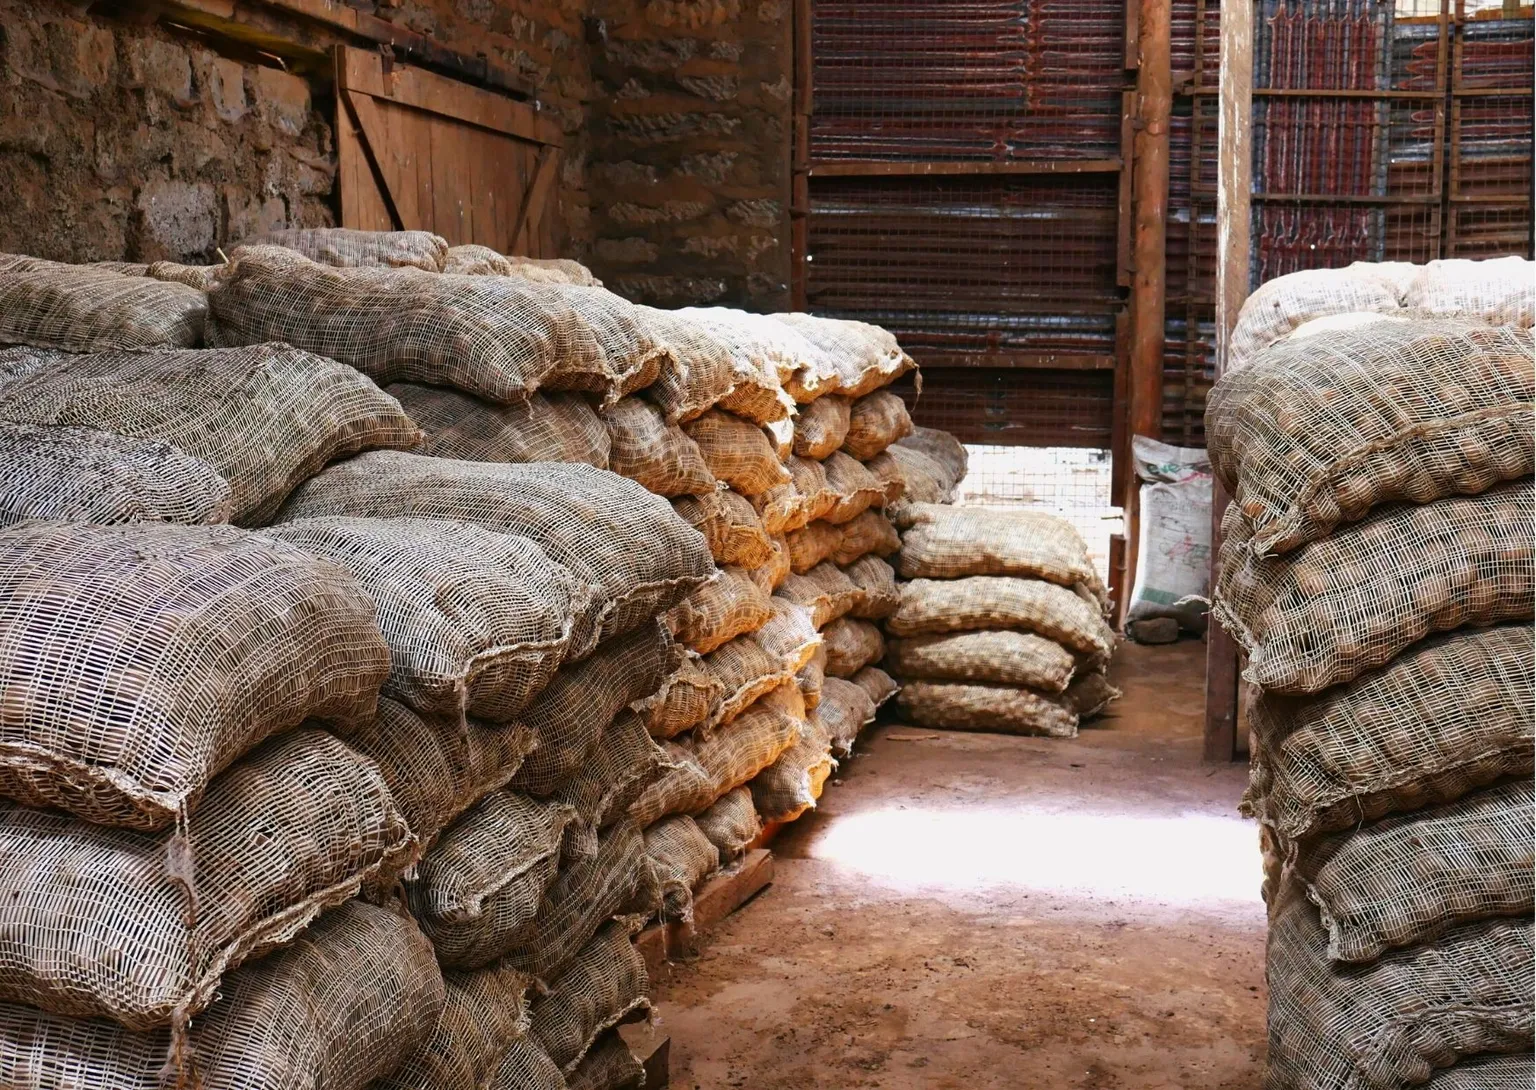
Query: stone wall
[690,151]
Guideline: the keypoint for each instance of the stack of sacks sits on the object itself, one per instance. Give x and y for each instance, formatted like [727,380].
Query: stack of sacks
[1001,626]
[1377,568]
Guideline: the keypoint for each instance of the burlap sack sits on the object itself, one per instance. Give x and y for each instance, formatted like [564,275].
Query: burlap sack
[1377,1025]
[817,496]
[659,456]
[869,534]
[941,448]
[478,890]
[934,606]
[1004,708]
[344,247]
[855,359]
[951,542]
[846,708]
[821,426]
[791,785]
[474,260]
[1278,306]
[737,452]
[609,1065]
[525,1066]
[84,475]
[857,489]
[606,982]
[750,665]
[1331,610]
[729,606]
[1500,292]
[686,787]
[710,366]
[1405,880]
[201,277]
[553,270]
[1090,693]
[731,824]
[79,308]
[763,346]
[878,596]
[1002,658]
[823,597]
[1447,716]
[877,421]
[730,526]
[1319,433]
[1487,1072]
[681,857]
[608,531]
[500,338]
[880,685]
[771,575]
[266,417]
[812,545]
[851,646]
[630,355]
[485,1013]
[549,428]
[621,766]
[345,1004]
[182,647]
[684,700]
[810,678]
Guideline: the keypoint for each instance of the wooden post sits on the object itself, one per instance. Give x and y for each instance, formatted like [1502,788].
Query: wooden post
[1234,186]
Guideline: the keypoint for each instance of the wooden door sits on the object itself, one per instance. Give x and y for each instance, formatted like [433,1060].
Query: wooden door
[419,151]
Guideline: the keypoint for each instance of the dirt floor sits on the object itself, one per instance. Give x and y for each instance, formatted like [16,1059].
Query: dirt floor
[970,911]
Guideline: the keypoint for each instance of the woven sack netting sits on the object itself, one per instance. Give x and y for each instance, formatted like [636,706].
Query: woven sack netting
[825,605]
[910,477]
[182,647]
[811,677]
[475,260]
[608,1065]
[731,824]
[851,646]
[853,358]
[846,708]
[1006,709]
[1490,1072]
[499,338]
[1499,292]
[1335,608]
[772,573]
[630,355]
[1002,657]
[201,277]
[737,452]
[485,1012]
[750,665]
[719,611]
[681,857]
[791,785]
[553,270]
[842,592]
[657,455]
[477,621]
[821,426]
[684,700]
[730,526]
[857,489]
[1390,1024]
[608,531]
[710,364]
[1319,433]
[266,417]
[139,927]
[85,475]
[347,248]
[1447,716]
[81,308]
[934,606]
[950,542]
[525,1066]
[347,1003]
[870,533]
[1279,306]
[942,448]
[1090,693]
[127,268]
[877,420]
[1404,880]
[812,545]
[621,766]
[438,767]
[606,982]
[816,496]
[549,428]
[878,595]
[763,346]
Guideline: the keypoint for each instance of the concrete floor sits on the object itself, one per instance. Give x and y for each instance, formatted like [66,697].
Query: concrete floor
[969,911]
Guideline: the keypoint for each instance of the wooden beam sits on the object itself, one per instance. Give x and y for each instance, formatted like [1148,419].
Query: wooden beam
[879,168]
[713,901]
[1149,243]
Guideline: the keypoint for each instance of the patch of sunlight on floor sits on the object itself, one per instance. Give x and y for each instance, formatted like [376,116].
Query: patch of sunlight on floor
[1188,860]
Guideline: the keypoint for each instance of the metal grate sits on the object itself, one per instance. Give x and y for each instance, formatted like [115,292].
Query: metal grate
[1023,407]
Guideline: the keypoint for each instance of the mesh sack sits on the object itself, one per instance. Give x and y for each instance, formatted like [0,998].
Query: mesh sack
[80,308]
[857,488]
[622,765]
[1278,306]
[201,277]
[608,1065]
[569,716]
[933,606]
[1405,880]
[1090,693]
[811,595]
[709,366]
[878,594]
[681,856]
[950,542]
[942,448]
[763,347]
[720,611]
[1003,658]
[851,646]
[1445,717]
[629,353]
[553,270]
[910,477]
[1500,292]
[731,824]
[86,475]
[770,576]
[348,1002]
[821,426]
[438,767]
[730,526]
[477,621]
[266,417]
[127,268]
[791,785]
[180,649]
[585,896]
[684,700]
[1390,1024]
[472,260]
[1003,708]
[297,827]
[856,358]
[549,428]
[812,677]
[737,452]
[876,421]
[870,533]
[812,545]
[780,509]
[486,1011]
[1324,431]
[842,591]
[346,248]
[478,890]
[879,685]
[1491,1072]
[750,665]
[846,708]
[1337,607]
[525,1066]
[817,496]
[606,982]
[685,787]
[608,531]
[496,337]
[659,456]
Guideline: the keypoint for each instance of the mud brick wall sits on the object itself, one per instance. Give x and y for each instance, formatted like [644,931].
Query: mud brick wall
[689,156]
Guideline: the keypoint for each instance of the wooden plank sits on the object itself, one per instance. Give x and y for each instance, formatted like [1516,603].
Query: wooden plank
[713,901]
[1149,244]
[374,190]
[857,168]
[657,1063]
[1125,201]
[529,213]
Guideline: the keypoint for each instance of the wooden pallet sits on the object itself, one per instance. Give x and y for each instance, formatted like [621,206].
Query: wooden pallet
[712,902]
